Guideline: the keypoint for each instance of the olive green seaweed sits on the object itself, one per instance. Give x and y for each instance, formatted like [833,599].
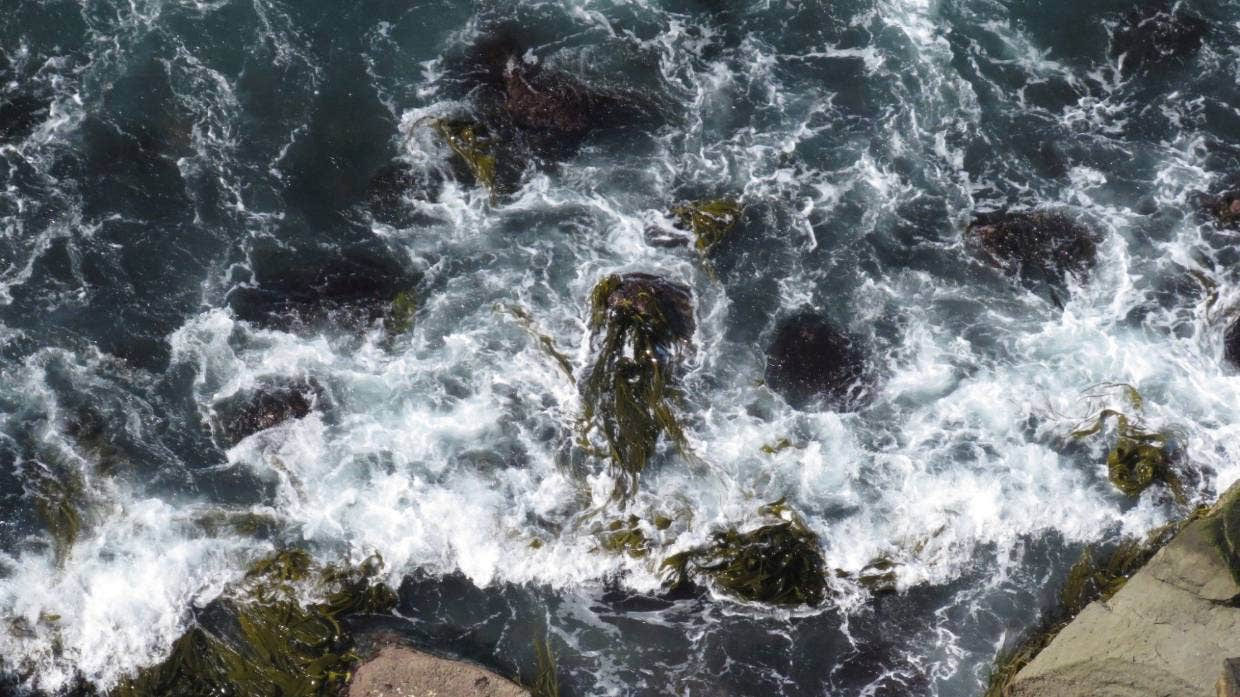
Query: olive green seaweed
[545,342]
[710,220]
[778,563]
[627,394]
[546,683]
[1139,457]
[399,317]
[471,143]
[279,647]
[62,503]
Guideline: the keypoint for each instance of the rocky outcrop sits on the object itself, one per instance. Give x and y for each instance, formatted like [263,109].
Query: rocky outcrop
[812,363]
[1169,631]
[1039,246]
[1157,32]
[403,672]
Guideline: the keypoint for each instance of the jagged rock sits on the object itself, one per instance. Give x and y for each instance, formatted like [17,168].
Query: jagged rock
[1038,246]
[398,671]
[242,415]
[1157,32]
[810,362]
[1165,632]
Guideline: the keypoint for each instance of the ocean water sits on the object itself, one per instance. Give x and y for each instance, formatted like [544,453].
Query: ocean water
[183,183]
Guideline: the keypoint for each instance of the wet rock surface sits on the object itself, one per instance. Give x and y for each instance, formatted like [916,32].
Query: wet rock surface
[398,671]
[811,362]
[1168,630]
[1040,247]
[247,413]
[1157,32]
[19,114]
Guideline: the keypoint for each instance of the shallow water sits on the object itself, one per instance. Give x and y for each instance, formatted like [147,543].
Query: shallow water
[177,155]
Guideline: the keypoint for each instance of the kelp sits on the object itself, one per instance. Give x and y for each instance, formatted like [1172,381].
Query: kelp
[545,683]
[623,537]
[471,142]
[638,322]
[399,317]
[1139,457]
[710,221]
[1092,577]
[269,644]
[778,563]
[61,501]
[222,522]
[545,342]
[777,447]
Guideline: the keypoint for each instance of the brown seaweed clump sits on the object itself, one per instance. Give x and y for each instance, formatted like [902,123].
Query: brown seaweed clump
[777,563]
[1139,458]
[475,147]
[710,221]
[640,324]
[260,640]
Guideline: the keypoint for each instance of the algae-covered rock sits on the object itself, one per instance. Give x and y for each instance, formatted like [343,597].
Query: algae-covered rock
[639,324]
[399,318]
[812,363]
[61,501]
[1157,32]
[473,144]
[1040,246]
[260,640]
[623,537]
[777,563]
[710,221]
[1139,457]
[1224,209]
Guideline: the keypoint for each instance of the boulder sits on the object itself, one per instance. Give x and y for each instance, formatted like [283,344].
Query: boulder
[398,671]
[811,362]
[242,415]
[1231,344]
[1228,684]
[1224,209]
[1157,32]
[1040,247]
[1167,631]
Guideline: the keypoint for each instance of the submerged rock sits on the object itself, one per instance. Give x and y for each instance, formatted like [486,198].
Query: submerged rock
[19,115]
[1157,32]
[1038,246]
[778,563]
[639,325]
[391,188]
[399,671]
[242,415]
[710,221]
[1224,209]
[810,363]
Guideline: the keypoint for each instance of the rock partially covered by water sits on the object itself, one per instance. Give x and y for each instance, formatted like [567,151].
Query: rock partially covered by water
[1231,344]
[811,363]
[1224,209]
[399,671]
[1038,246]
[19,114]
[639,325]
[1157,32]
[242,415]
[342,288]
[393,187]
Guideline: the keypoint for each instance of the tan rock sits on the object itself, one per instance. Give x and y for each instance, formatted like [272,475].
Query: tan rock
[402,672]
[1166,633]
[1229,684]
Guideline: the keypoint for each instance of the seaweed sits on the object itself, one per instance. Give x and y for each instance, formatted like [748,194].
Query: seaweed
[399,317]
[710,221]
[778,563]
[639,323]
[1139,458]
[272,644]
[777,447]
[61,502]
[546,683]
[545,342]
[471,142]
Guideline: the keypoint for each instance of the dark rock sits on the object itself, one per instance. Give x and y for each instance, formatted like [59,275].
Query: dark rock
[242,415]
[291,291]
[19,115]
[1038,246]
[393,187]
[810,363]
[1231,344]
[1157,32]
[1224,209]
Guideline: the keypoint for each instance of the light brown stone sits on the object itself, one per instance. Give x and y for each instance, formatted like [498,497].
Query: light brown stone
[1166,633]
[402,672]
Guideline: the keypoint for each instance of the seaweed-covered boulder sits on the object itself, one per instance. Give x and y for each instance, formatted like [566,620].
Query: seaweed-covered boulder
[710,221]
[810,362]
[1157,32]
[342,288]
[1038,246]
[242,415]
[1224,209]
[777,563]
[639,325]
[553,102]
